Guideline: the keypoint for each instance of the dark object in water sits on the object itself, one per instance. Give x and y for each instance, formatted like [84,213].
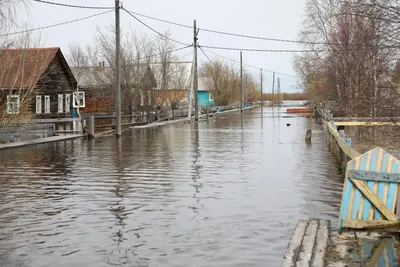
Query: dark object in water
[308,136]
[288,124]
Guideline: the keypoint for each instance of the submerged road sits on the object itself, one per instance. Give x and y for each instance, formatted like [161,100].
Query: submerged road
[227,192]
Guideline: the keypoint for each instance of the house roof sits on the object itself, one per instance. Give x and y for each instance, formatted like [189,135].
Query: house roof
[23,68]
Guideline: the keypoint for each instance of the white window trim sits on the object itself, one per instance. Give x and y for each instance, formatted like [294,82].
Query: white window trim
[13,111]
[60,103]
[210,96]
[81,95]
[67,103]
[149,97]
[47,104]
[141,98]
[38,104]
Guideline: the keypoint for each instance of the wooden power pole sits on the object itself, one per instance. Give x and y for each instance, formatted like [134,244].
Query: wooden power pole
[195,78]
[241,82]
[117,72]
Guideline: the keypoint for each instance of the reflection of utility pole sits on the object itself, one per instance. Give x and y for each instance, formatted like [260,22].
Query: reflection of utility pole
[196,85]
[279,91]
[273,88]
[117,72]
[261,89]
[241,82]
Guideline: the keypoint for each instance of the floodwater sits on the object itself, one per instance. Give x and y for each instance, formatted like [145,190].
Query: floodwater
[227,192]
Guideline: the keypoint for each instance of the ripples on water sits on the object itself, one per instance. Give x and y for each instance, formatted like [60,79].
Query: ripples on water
[227,192]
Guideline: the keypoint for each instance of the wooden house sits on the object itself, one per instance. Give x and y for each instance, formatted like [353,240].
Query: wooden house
[35,83]
[97,86]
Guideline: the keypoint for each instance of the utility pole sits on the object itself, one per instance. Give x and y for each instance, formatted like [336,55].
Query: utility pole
[196,85]
[261,98]
[241,82]
[117,72]
[191,90]
[273,88]
[279,92]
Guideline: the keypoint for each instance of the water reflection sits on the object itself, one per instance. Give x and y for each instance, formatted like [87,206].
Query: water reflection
[380,252]
[223,192]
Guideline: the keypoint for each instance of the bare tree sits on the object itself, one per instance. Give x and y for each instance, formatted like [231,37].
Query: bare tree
[352,63]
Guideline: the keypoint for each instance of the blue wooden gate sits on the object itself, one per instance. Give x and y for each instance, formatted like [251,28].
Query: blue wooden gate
[370,193]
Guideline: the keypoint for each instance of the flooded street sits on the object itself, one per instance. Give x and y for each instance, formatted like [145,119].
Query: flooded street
[227,192]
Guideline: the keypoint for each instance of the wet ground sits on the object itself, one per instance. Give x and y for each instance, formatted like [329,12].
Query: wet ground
[227,192]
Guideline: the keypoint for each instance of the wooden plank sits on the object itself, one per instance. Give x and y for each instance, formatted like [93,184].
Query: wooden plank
[367,210]
[361,163]
[381,185]
[364,123]
[346,193]
[374,176]
[369,224]
[306,250]
[293,249]
[374,200]
[367,167]
[321,244]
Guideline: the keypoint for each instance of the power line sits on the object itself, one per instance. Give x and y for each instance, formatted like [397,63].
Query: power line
[147,26]
[162,20]
[261,50]
[159,54]
[208,58]
[74,6]
[55,25]
[251,36]
[251,66]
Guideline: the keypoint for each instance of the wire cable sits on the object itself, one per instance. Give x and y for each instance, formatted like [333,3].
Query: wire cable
[55,25]
[261,50]
[159,54]
[147,26]
[251,66]
[250,36]
[75,6]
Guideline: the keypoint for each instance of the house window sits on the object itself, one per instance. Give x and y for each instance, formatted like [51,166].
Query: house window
[60,103]
[78,101]
[149,97]
[141,98]
[38,104]
[67,103]
[210,96]
[13,104]
[46,104]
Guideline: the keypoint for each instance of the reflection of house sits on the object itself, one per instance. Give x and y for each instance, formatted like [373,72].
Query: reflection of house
[204,95]
[36,83]
[97,87]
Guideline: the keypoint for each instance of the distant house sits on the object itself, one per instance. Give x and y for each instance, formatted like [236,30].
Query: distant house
[204,96]
[171,98]
[97,88]
[35,83]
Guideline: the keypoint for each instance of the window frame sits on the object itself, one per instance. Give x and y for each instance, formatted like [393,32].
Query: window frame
[60,102]
[81,95]
[67,103]
[38,104]
[14,110]
[47,104]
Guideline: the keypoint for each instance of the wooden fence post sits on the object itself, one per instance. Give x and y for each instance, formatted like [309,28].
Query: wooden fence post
[90,127]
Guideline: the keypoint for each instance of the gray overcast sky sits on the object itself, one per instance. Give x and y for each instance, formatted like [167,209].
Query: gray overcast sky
[267,18]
